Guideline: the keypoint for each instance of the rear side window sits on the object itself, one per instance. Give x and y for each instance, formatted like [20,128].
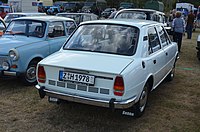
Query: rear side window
[86,18]
[154,43]
[56,29]
[70,26]
[105,38]
[163,36]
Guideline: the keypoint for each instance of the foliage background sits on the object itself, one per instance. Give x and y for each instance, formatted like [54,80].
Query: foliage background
[169,4]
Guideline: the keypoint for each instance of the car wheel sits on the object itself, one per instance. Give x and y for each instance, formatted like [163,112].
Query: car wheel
[170,76]
[29,77]
[140,106]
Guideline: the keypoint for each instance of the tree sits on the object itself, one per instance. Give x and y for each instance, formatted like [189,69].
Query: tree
[4,1]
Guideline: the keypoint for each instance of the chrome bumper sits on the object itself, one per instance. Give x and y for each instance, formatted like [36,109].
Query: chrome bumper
[112,103]
[9,73]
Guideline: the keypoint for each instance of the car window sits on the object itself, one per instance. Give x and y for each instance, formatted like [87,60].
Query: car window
[154,43]
[9,17]
[162,19]
[163,36]
[155,17]
[113,39]
[93,17]
[132,15]
[86,18]
[76,17]
[56,29]
[27,28]
[70,26]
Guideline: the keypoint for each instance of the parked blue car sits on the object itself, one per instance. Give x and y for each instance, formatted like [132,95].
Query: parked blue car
[27,40]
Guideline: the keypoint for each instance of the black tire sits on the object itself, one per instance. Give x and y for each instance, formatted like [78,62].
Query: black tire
[29,78]
[171,75]
[140,106]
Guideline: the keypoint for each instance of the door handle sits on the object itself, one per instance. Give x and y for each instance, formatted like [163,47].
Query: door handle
[154,61]
[166,54]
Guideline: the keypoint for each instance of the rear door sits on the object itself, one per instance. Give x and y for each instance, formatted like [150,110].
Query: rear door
[167,47]
[156,60]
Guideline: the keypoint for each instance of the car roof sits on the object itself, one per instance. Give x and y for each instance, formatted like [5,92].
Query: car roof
[130,22]
[142,10]
[26,13]
[68,13]
[45,18]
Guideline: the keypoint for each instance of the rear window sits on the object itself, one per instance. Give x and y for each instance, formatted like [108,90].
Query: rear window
[132,15]
[9,17]
[105,38]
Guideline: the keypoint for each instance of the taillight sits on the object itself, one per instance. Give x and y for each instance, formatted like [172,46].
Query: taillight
[119,86]
[41,74]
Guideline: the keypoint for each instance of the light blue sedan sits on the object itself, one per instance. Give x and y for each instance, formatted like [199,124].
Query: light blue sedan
[27,40]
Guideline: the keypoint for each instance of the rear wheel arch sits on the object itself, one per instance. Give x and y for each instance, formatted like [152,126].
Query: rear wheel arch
[150,81]
[140,106]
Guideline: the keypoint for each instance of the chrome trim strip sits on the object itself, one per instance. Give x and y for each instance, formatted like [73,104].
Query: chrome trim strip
[9,73]
[90,101]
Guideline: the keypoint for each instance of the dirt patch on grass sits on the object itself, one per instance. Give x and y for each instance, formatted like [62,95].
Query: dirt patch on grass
[173,106]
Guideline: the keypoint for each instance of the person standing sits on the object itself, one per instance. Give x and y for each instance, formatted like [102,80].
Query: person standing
[198,20]
[190,22]
[178,25]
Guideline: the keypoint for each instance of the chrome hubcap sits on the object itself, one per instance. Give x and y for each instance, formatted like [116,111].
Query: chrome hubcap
[31,74]
[143,99]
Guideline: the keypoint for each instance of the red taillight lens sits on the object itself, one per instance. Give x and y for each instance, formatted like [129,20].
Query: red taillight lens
[41,74]
[119,86]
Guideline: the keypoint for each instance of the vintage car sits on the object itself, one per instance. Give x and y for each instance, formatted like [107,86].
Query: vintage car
[2,26]
[198,47]
[109,63]
[147,14]
[107,12]
[79,17]
[27,40]
[11,16]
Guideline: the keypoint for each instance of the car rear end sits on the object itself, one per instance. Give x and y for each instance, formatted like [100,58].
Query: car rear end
[90,67]
[82,86]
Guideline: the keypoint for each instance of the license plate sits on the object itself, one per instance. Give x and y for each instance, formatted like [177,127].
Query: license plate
[76,77]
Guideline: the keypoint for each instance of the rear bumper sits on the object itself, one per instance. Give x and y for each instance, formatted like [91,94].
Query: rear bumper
[112,103]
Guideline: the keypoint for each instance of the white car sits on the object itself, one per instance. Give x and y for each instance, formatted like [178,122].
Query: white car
[109,63]
[11,16]
[146,14]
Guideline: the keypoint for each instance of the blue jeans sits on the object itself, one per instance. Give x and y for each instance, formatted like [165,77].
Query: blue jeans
[189,31]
